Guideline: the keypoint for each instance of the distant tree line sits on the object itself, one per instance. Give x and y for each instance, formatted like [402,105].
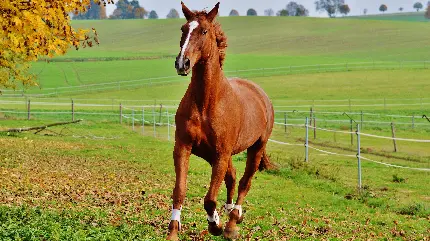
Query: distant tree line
[332,7]
[94,11]
[126,9]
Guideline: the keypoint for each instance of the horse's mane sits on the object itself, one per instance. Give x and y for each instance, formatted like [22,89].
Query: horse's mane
[221,38]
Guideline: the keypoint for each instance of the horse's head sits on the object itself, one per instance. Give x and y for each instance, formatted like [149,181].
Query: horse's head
[198,39]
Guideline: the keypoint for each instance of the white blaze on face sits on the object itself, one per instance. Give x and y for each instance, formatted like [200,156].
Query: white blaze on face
[193,25]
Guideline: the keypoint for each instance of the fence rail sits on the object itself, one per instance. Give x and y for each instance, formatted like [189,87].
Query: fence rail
[73,107]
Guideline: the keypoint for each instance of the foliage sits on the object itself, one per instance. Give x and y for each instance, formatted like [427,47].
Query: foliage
[329,6]
[233,12]
[21,43]
[153,15]
[398,179]
[427,14]
[418,6]
[251,12]
[344,9]
[383,8]
[94,11]
[294,9]
[413,209]
[282,12]
[269,12]
[126,9]
[173,13]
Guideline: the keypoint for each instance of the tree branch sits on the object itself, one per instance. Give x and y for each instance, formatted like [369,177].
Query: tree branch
[39,128]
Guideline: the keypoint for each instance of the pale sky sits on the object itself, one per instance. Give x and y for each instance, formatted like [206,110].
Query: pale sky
[162,7]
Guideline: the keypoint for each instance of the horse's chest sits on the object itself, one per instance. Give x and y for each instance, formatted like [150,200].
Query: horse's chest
[198,129]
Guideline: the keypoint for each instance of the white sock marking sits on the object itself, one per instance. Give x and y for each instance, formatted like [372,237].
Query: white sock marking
[193,25]
[214,218]
[228,208]
[176,215]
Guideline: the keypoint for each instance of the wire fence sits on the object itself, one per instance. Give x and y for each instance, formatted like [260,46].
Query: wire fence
[358,153]
[257,72]
[158,121]
[75,108]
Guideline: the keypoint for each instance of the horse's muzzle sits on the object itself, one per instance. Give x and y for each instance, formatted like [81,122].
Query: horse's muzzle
[183,67]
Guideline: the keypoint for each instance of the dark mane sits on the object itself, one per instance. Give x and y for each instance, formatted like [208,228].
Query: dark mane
[221,38]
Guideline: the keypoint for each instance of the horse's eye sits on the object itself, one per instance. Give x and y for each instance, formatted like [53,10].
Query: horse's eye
[205,32]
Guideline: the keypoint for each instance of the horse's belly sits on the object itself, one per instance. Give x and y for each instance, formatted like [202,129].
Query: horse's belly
[248,136]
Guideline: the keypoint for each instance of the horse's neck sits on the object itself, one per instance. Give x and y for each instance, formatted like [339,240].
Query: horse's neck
[207,82]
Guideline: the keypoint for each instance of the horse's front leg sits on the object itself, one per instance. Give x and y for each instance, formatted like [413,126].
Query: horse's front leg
[181,155]
[219,169]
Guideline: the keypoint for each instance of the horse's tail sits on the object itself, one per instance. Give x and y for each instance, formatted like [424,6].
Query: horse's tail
[265,163]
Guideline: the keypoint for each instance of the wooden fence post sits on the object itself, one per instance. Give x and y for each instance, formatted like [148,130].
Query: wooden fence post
[120,113]
[315,128]
[143,121]
[393,132]
[28,110]
[153,119]
[352,135]
[159,117]
[73,110]
[132,119]
[307,140]
[285,122]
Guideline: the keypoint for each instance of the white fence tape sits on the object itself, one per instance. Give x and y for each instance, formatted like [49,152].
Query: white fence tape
[331,153]
[284,143]
[394,138]
[397,166]
[328,130]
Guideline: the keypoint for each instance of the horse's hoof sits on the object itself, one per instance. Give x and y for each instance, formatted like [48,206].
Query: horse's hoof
[172,236]
[214,229]
[174,227]
[231,233]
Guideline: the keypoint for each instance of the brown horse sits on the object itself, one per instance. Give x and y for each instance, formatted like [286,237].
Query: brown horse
[217,118]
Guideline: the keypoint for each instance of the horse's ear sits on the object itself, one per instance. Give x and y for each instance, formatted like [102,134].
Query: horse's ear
[187,12]
[212,14]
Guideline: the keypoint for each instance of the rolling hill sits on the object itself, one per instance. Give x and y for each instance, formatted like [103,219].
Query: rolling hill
[257,42]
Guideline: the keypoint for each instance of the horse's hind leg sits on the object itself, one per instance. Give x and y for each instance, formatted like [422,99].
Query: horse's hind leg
[255,153]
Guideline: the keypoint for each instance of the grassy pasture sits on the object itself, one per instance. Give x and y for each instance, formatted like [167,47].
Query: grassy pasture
[286,41]
[78,186]
[120,188]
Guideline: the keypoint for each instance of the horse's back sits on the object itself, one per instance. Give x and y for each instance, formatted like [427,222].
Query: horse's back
[258,114]
[249,92]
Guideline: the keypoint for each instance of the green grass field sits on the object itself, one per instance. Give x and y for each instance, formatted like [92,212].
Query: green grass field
[99,180]
[264,43]
[61,187]
[409,17]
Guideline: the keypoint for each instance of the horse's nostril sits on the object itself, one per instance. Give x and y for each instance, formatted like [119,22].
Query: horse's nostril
[187,63]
